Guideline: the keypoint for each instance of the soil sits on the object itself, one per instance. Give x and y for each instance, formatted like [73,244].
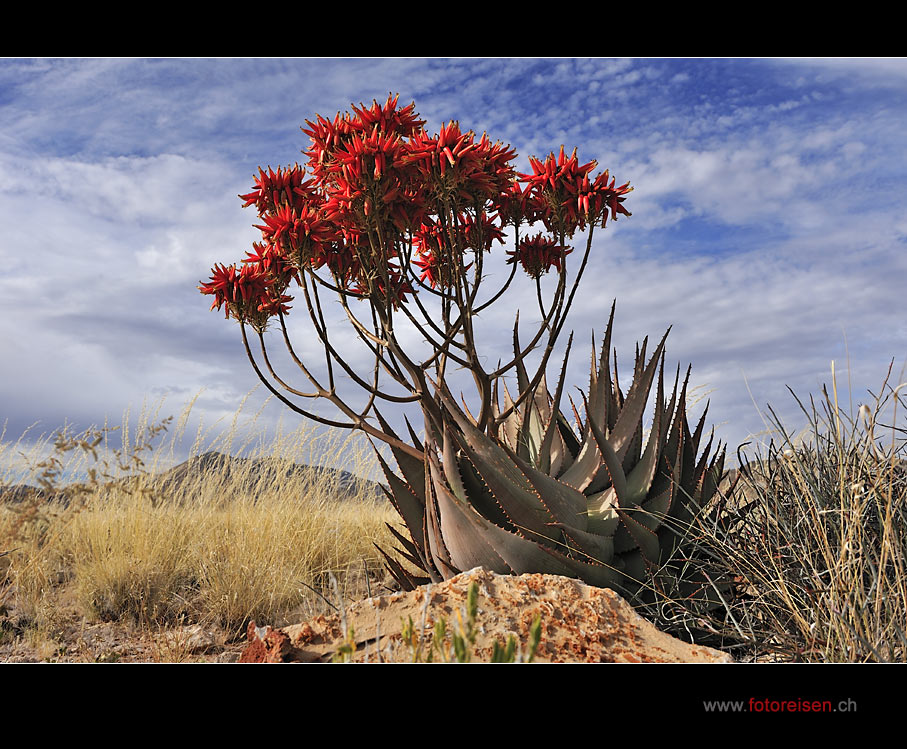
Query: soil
[71,637]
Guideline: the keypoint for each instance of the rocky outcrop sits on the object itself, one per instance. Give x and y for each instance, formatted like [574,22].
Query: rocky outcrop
[580,623]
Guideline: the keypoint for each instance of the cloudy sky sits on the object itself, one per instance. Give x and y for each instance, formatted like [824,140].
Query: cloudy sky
[769,221]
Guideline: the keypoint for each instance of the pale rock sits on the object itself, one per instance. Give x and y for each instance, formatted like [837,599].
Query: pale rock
[580,624]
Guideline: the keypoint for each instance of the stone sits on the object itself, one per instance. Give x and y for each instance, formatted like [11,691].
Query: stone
[580,624]
[193,639]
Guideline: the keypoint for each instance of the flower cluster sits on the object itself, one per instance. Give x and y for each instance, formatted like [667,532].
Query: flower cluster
[360,163]
[382,206]
[561,194]
[458,169]
[274,189]
[390,287]
[248,294]
[538,255]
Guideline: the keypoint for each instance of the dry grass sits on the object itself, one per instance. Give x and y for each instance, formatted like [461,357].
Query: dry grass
[815,540]
[135,544]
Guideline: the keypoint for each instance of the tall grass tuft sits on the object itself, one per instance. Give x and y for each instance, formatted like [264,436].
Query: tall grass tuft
[815,538]
[214,540]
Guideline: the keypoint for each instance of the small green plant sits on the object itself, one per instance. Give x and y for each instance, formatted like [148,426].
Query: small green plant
[346,651]
[510,653]
[458,645]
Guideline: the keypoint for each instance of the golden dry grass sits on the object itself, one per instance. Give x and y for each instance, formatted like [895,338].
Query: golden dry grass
[221,546]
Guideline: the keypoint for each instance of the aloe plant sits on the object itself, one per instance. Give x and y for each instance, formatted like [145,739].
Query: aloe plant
[603,502]
[388,215]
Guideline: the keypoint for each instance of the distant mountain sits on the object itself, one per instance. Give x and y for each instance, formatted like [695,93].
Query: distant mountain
[26,492]
[267,470]
[254,469]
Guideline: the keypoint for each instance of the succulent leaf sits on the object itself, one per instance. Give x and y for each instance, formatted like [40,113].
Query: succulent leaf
[632,409]
[581,474]
[413,469]
[569,438]
[551,451]
[565,504]
[594,546]
[514,493]
[481,497]
[655,509]
[452,468]
[468,536]
[440,556]
[475,541]
[645,539]
[639,480]
[527,493]
[409,505]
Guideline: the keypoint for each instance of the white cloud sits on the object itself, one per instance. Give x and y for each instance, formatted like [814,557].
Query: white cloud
[766,223]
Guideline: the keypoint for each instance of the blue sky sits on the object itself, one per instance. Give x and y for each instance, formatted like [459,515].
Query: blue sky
[769,218]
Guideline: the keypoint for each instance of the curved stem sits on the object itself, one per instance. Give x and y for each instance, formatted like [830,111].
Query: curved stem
[318,394]
[357,422]
[555,330]
[507,283]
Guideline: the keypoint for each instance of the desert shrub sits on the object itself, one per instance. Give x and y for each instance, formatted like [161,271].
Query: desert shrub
[815,536]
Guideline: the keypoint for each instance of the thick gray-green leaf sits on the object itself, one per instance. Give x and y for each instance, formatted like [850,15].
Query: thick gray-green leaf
[513,491]
[634,404]
[407,503]
[467,536]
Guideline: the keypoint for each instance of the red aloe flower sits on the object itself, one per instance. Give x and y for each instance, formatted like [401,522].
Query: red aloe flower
[340,259]
[264,255]
[379,181]
[611,196]
[245,293]
[368,155]
[389,119]
[399,287]
[557,171]
[441,151]
[327,138]
[273,305]
[515,205]
[555,184]
[479,234]
[429,238]
[437,268]
[429,265]
[491,169]
[251,285]
[271,259]
[369,182]
[410,207]
[436,254]
[595,198]
[302,229]
[274,189]
[223,279]
[460,167]
[538,255]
